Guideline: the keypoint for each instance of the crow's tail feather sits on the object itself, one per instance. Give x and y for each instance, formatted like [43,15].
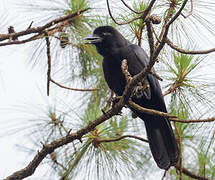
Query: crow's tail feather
[162,141]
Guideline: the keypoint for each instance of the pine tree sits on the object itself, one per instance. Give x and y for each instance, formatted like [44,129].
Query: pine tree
[80,132]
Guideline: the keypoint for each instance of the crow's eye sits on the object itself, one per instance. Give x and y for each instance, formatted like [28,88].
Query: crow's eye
[107,34]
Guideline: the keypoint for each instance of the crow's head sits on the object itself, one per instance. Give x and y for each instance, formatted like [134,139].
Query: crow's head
[106,39]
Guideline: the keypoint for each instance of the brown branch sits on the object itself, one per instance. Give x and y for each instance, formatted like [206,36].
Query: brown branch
[148,9]
[124,68]
[177,14]
[114,20]
[149,111]
[150,35]
[153,73]
[49,63]
[22,41]
[73,89]
[30,24]
[139,37]
[98,140]
[187,51]
[143,16]
[49,148]
[191,174]
[50,32]
[171,89]
[171,117]
[42,28]
[131,8]
[193,120]
[135,80]
[128,77]
[156,36]
[163,40]
[191,10]
[179,144]
[154,19]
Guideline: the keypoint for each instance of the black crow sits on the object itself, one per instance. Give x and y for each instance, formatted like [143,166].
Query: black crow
[114,48]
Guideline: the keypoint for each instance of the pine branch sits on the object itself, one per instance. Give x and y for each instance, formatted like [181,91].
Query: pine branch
[40,30]
[49,63]
[143,16]
[100,140]
[133,105]
[150,36]
[187,51]
[166,30]
[49,148]
[73,89]
[171,117]
[190,174]
[142,75]
[124,99]
[126,5]
[191,10]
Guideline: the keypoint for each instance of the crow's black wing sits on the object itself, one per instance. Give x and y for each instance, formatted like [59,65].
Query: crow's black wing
[159,131]
[135,66]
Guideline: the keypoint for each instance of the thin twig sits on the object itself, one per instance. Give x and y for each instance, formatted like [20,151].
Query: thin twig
[164,175]
[131,8]
[163,40]
[154,19]
[140,35]
[143,16]
[148,9]
[38,36]
[30,25]
[73,89]
[149,111]
[48,62]
[191,10]
[187,51]
[120,23]
[171,117]
[179,144]
[156,36]
[173,88]
[98,140]
[191,174]
[156,75]
[193,120]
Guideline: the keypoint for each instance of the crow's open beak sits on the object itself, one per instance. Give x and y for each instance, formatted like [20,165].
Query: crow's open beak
[93,39]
